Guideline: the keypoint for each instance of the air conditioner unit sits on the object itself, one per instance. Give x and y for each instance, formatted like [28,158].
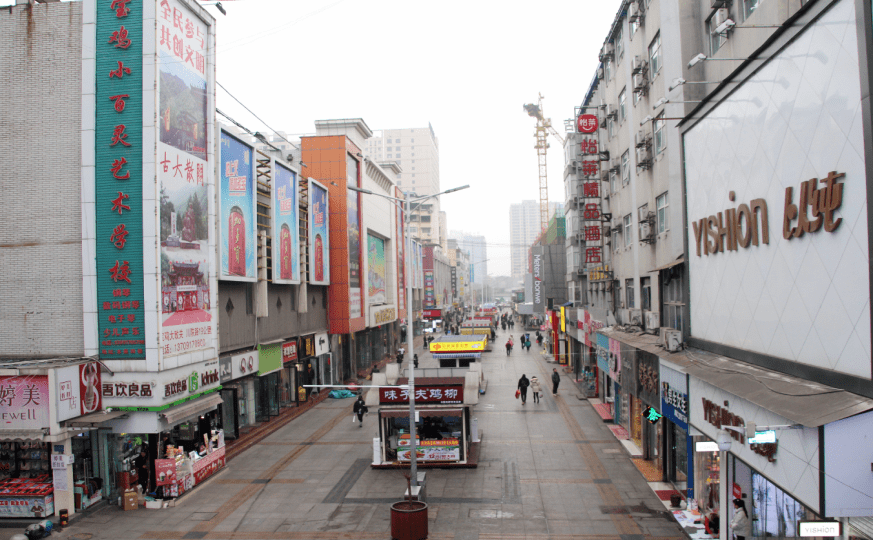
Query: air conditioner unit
[642,156]
[640,139]
[721,15]
[633,11]
[640,81]
[645,231]
[607,51]
[611,111]
[600,73]
[638,64]
[671,339]
[653,320]
[635,317]
[643,213]
[614,165]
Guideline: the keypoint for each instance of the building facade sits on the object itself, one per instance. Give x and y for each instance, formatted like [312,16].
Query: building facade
[524,228]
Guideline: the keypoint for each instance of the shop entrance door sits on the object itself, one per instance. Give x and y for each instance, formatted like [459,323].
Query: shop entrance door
[229,412]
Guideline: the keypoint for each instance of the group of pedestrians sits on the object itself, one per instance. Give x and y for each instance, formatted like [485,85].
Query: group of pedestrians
[534,384]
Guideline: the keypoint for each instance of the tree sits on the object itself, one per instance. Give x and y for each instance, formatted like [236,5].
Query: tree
[166,213]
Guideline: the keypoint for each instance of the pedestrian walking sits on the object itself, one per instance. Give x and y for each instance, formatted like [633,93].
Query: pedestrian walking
[360,410]
[535,387]
[415,361]
[740,521]
[523,383]
[556,380]
[527,345]
[508,347]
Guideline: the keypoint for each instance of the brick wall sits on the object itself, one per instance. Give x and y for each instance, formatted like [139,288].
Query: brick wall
[40,179]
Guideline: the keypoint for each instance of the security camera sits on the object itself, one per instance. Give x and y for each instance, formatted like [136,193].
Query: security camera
[289,157]
[724,440]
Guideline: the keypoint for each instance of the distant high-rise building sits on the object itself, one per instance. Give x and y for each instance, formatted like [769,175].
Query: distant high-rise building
[475,246]
[524,228]
[417,152]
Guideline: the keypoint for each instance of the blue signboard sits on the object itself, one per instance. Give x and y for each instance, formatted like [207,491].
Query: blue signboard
[603,353]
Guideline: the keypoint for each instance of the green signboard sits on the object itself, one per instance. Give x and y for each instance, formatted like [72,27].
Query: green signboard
[270,358]
[118,179]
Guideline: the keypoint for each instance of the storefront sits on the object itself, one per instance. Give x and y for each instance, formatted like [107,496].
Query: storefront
[443,426]
[172,414]
[238,375]
[601,347]
[267,389]
[676,443]
[289,387]
[648,390]
[458,351]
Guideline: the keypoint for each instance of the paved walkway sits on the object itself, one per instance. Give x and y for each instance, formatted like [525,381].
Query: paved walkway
[552,470]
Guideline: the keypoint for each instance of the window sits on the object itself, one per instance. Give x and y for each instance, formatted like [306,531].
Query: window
[655,55]
[673,306]
[607,71]
[398,156]
[389,141]
[660,136]
[619,47]
[633,28]
[716,40]
[388,149]
[622,105]
[389,156]
[646,293]
[628,232]
[610,127]
[629,293]
[413,140]
[625,167]
[613,181]
[661,205]
[749,7]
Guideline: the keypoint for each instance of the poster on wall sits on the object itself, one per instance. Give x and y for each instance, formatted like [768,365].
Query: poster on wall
[286,226]
[185,178]
[376,279]
[319,241]
[237,210]
[118,182]
[354,230]
[78,390]
[24,402]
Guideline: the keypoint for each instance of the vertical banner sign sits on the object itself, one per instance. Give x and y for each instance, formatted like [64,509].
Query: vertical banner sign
[454,270]
[184,176]
[237,211]
[376,279]
[592,217]
[286,226]
[429,299]
[118,179]
[401,261]
[319,243]
[353,211]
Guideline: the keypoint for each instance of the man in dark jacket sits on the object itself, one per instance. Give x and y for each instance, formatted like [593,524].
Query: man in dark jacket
[523,383]
[556,380]
[360,409]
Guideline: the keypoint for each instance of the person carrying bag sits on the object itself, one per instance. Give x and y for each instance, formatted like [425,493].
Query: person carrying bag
[359,411]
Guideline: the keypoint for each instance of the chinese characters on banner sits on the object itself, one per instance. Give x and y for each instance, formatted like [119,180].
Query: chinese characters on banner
[429,298]
[423,394]
[187,262]
[118,180]
[319,241]
[591,213]
[24,402]
[286,226]
[236,214]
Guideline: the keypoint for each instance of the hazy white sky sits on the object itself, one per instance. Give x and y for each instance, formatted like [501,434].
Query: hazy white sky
[465,67]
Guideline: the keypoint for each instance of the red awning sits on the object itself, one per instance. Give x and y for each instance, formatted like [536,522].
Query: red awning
[434,413]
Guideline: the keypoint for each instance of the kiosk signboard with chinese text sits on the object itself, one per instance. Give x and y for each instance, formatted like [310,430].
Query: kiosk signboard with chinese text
[448,395]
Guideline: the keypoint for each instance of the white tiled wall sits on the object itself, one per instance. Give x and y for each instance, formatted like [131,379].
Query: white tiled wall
[798,118]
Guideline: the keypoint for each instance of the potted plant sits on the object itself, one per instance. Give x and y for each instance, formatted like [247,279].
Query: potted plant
[408,517]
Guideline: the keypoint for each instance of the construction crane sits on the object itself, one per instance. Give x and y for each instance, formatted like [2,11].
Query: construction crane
[544,127]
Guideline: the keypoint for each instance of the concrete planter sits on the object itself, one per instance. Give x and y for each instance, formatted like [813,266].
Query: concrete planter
[409,520]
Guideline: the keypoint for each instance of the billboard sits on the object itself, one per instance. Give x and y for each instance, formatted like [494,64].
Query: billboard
[118,182]
[376,270]
[539,301]
[429,297]
[24,402]
[78,390]
[237,211]
[286,226]
[353,214]
[185,178]
[319,241]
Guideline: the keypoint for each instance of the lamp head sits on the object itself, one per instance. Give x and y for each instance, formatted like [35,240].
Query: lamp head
[662,101]
[645,120]
[676,84]
[696,60]
[726,26]
[220,8]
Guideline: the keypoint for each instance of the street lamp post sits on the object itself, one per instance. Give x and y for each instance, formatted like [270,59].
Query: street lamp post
[413,461]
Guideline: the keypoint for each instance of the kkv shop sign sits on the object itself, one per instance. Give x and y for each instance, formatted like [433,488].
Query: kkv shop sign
[78,390]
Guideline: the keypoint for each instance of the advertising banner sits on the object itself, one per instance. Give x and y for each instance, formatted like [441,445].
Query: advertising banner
[186,258]
[438,346]
[539,301]
[156,391]
[270,358]
[376,278]
[24,402]
[353,214]
[449,395]
[237,211]
[165,472]
[15,506]
[319,241]
[443,450]
[118,181]
[401,247]
[209,465]
[239,365]
[289,351]
[78,390]
[603,353]
[286,226]
[429,298]
[614,359]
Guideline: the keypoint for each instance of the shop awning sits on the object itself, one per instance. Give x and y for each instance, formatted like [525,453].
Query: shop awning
[680,260]
[21,434]
[404,413]
[94,419]
[449,356]
[177,414]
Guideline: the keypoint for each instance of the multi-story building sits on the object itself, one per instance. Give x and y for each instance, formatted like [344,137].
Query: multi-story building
[417,152]
[524,228]
[724,121]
